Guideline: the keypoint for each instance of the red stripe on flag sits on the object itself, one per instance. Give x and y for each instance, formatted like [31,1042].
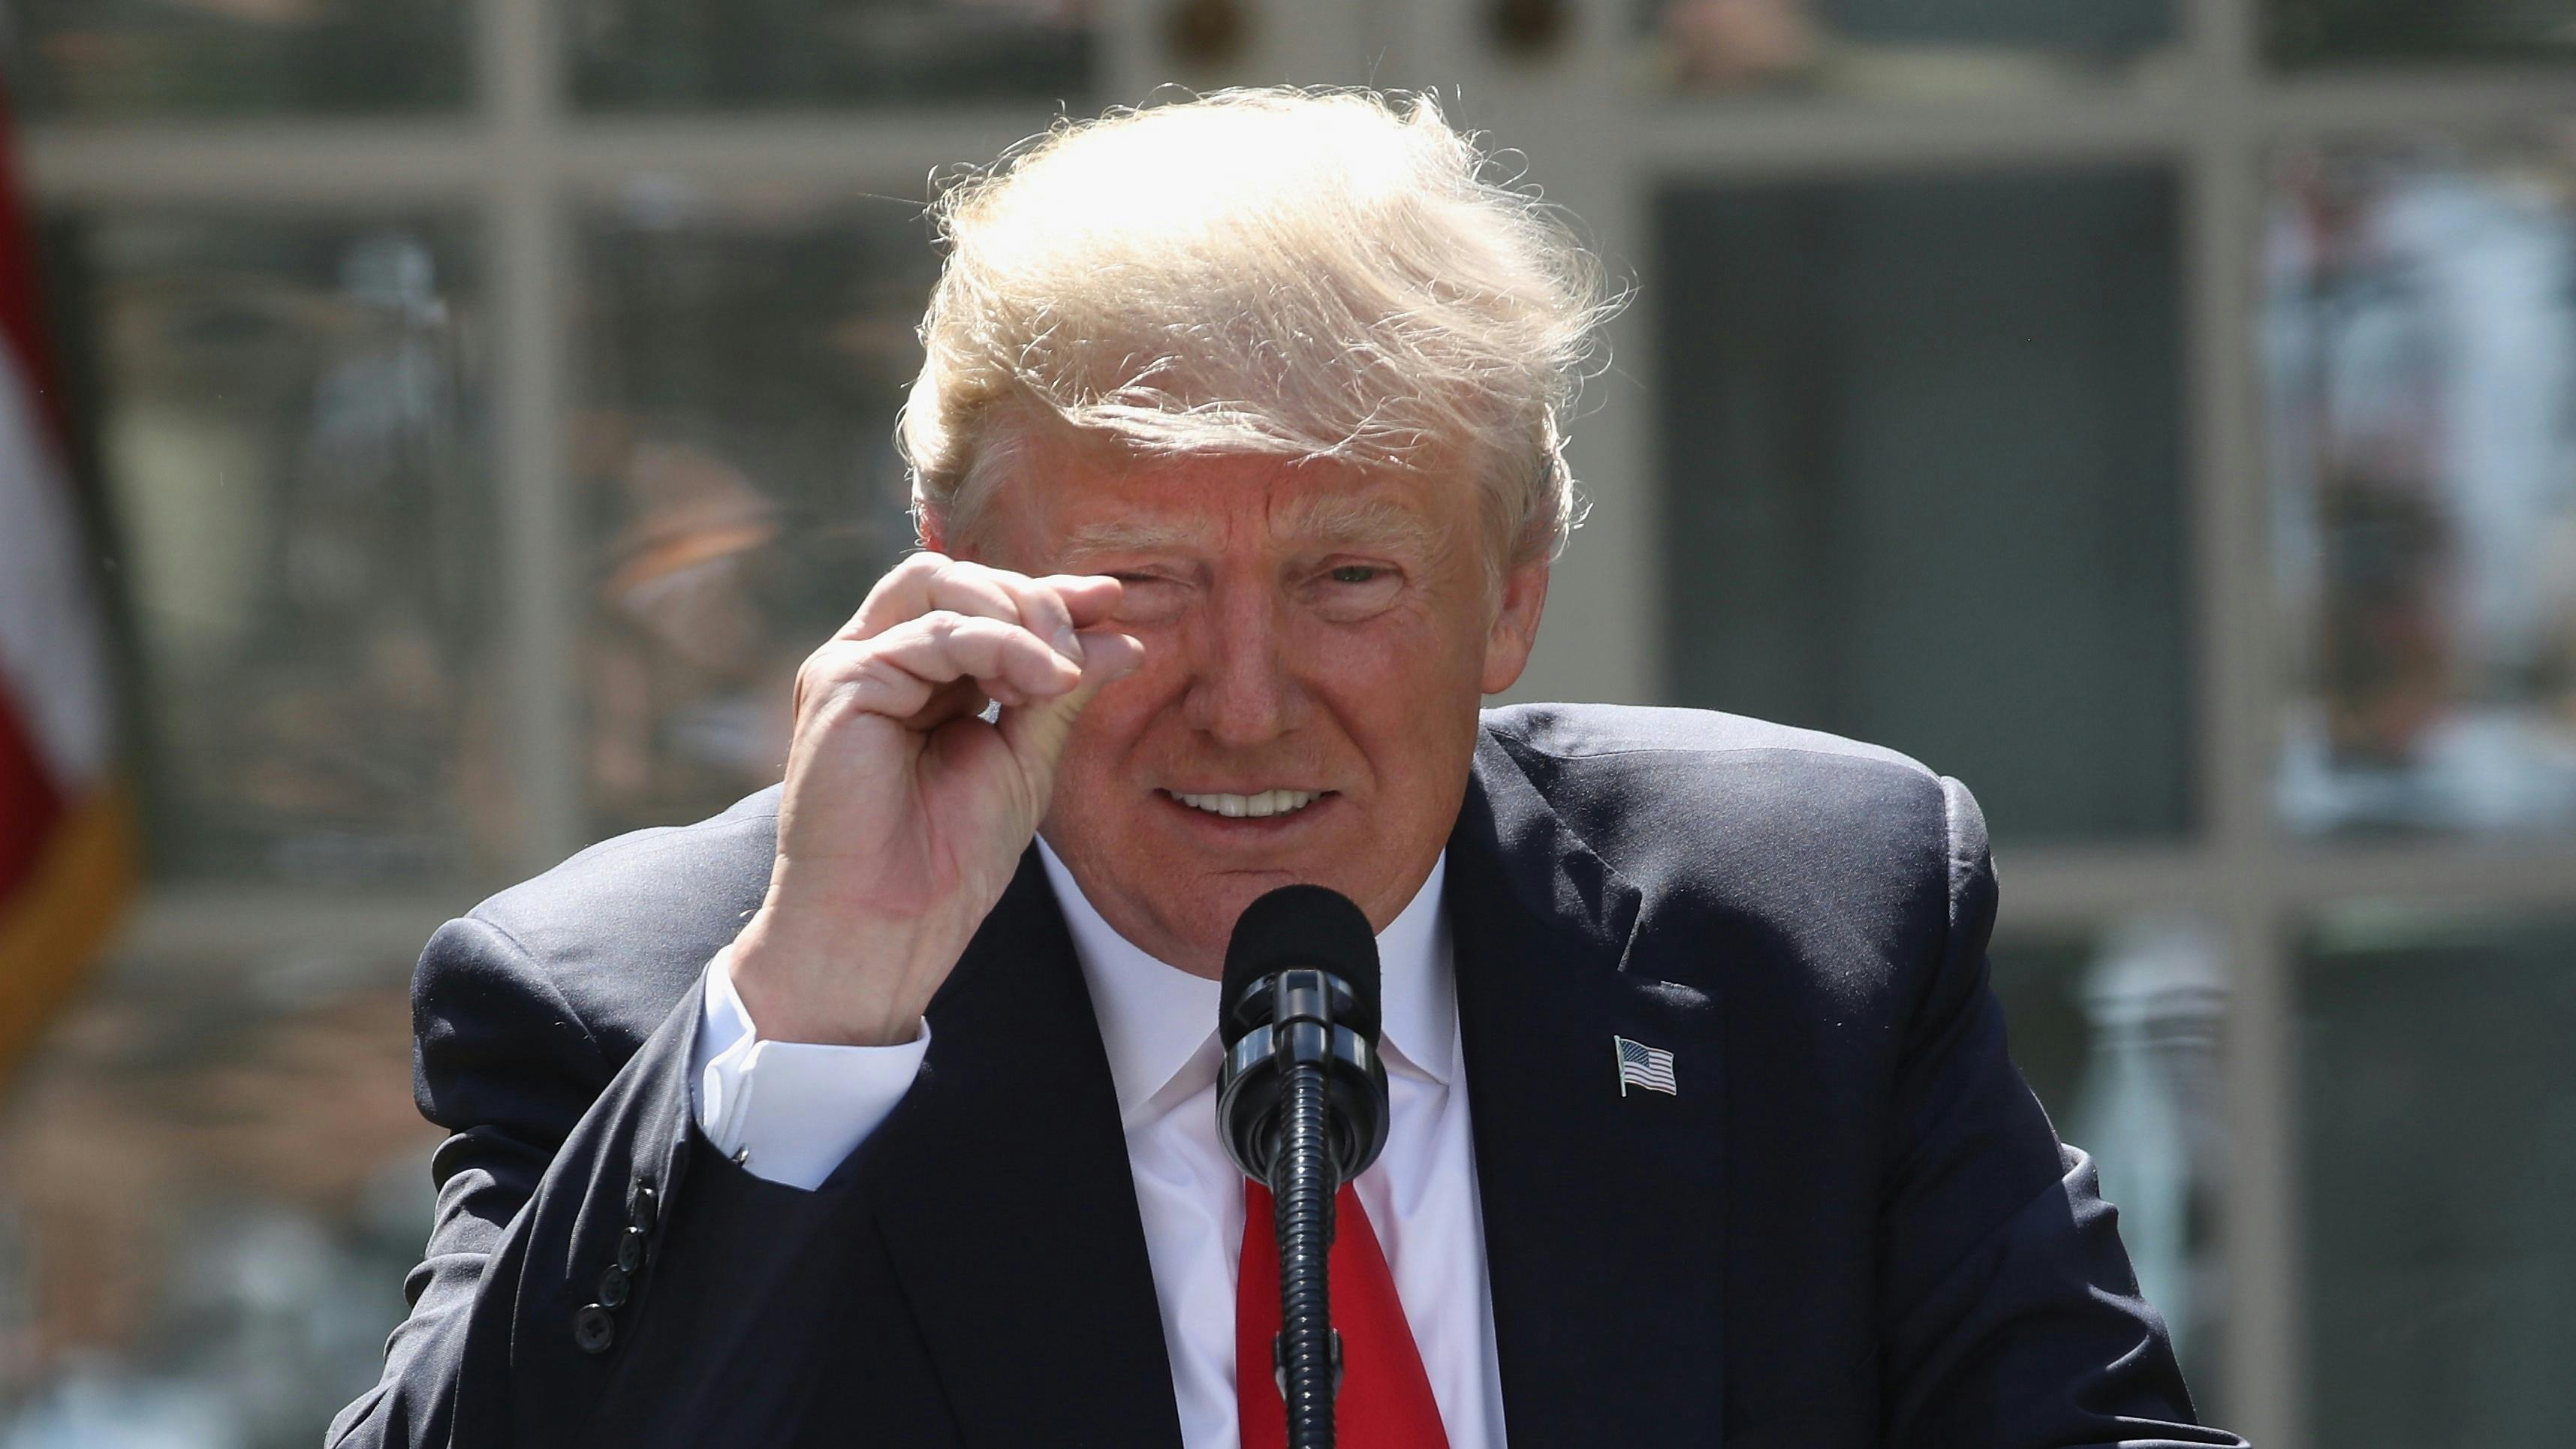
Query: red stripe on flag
[30,805]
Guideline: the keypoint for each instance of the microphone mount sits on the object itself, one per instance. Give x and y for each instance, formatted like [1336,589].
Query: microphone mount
[1300,1018]
[1301,1106]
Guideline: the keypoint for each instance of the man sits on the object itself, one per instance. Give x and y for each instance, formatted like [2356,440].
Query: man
[879,1109]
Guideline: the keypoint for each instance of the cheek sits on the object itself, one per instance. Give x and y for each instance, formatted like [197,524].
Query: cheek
[1417,653]
[1396,690]
[1115,725]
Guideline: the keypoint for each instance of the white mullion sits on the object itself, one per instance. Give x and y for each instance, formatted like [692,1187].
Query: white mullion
[2307,878]
[1812,136]
[2266,1343]
[263,927]
[2362,103]
[368,162]
[2050,890]
[520,97]
[1570,113]
[362,165]
[854,150]
[2264,1379]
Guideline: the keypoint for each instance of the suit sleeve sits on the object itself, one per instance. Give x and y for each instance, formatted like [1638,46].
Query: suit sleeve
[596,1271]
[2009,1315]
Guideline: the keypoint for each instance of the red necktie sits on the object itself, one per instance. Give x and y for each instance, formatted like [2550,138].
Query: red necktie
[1386,1400]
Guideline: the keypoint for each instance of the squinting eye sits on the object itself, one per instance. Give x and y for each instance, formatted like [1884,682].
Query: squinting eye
[1356,574]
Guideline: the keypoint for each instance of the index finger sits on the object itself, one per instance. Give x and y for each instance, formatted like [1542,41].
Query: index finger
[1092,599]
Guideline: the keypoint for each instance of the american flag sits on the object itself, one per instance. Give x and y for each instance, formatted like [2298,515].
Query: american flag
[1643,1066]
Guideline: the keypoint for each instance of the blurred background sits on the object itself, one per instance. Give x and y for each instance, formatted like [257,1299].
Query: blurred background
[2159,413]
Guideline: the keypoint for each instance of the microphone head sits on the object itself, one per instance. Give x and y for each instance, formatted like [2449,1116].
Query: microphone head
[1301,926]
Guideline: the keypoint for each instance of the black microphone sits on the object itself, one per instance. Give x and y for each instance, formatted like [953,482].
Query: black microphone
[1301,1106]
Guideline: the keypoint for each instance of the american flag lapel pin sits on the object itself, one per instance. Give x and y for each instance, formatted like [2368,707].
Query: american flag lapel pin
[1643,1066]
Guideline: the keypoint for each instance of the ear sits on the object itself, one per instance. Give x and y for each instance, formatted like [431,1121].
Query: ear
[1514,630]
[934,537]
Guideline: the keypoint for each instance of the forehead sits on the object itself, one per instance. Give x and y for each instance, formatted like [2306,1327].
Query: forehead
[1096,504]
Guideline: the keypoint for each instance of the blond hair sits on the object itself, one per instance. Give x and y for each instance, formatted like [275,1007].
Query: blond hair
[1299,272]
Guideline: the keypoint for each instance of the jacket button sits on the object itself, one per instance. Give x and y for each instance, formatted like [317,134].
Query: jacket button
[613,1284]
[593,1330]
[630,1249]
[640,1208]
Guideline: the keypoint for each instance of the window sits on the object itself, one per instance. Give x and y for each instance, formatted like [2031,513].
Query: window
[1922,475]
[2153,414]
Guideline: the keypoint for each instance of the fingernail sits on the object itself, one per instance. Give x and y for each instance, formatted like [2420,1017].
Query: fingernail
[1069,644]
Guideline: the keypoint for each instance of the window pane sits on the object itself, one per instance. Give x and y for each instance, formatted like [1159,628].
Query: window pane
[217,1182]
[666,54]
[284,414]
[2420,341]
[1921,462]
[742,360]
[2118,1035]
[2326,32]
[2439,1111]
[111,58]
[1934,49]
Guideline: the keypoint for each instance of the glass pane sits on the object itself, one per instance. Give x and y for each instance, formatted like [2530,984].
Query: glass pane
[1923,49]
[284,415]
[742,360]
[668,54]
[217,1183]
[114,58]
[2419,337]
[1921,446]
[2325,32]
[2438,1106]
[2118,1035]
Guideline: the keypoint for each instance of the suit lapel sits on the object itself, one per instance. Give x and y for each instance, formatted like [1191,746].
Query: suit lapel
[1603,1213]
[1009,1210]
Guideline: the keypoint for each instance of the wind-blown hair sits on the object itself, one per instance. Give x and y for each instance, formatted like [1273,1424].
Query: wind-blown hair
[1296,272]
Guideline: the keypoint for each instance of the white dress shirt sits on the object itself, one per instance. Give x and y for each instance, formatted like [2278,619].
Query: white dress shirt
[791,1112]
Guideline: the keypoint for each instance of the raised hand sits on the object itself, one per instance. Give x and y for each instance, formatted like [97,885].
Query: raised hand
[906,812]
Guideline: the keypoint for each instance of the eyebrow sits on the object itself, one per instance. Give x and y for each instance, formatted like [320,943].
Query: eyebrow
[1130,535]
[1342,520]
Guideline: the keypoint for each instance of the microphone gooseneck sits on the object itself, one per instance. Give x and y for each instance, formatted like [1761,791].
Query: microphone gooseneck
[1308,1351]
[1301,1106]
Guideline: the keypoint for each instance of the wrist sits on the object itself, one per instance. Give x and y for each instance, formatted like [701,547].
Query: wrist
[818,993]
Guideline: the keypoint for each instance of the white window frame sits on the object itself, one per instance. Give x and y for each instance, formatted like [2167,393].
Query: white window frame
[521,161]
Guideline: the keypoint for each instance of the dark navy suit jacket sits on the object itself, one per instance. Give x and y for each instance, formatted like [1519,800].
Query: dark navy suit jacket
[1852,1225]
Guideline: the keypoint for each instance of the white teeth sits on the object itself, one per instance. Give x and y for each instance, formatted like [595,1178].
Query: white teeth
[1236,807]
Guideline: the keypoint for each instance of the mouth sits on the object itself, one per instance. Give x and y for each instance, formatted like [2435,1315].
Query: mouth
[1261,805]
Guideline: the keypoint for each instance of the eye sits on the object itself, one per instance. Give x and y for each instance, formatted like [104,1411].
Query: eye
[1149,598]
[1349,592]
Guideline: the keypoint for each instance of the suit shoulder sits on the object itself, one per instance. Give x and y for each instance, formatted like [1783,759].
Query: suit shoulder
[1850,848]
[1827,866]
[1665,746]
[619,931]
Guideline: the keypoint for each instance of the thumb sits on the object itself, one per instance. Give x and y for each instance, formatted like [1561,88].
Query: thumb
[1036,732]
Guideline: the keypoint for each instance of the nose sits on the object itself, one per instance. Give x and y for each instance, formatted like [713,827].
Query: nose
[1241,691]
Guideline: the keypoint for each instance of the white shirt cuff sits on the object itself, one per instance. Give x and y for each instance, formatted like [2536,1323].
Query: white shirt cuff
[788,1111]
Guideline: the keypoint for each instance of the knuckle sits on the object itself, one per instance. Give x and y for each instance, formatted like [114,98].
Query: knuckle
[1049,602]
[836,663]
[837,703]
[820,668]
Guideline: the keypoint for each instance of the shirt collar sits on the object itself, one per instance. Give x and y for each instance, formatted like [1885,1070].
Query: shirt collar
[1158,1022]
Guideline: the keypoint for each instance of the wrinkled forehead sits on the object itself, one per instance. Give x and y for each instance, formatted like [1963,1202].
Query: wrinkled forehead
[1058,501]
[1204,521]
